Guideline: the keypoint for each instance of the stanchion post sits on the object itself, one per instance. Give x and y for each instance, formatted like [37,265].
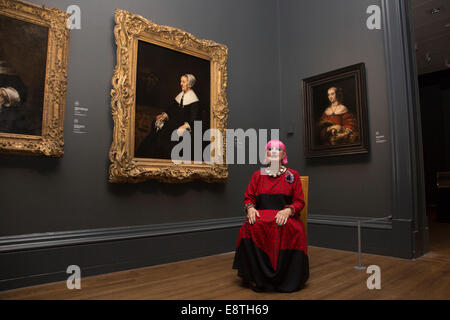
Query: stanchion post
[359,266]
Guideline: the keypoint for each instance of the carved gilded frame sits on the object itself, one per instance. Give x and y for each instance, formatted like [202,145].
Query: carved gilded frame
[51,141]
[129,29]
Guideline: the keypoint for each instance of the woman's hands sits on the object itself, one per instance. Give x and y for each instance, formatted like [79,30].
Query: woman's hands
[162,117]
[282,216]
[252,213]
[182,129]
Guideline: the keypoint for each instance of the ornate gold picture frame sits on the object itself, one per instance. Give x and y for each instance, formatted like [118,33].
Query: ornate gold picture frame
[33,78]
[141,86]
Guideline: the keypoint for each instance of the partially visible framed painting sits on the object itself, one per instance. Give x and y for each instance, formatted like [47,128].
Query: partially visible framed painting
[34,43]
[335,113]
[168,88]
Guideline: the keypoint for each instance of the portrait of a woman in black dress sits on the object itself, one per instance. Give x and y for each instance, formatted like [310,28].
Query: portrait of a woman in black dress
[178,119]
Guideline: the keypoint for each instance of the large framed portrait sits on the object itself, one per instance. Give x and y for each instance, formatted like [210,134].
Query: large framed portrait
[34,45]
[169,104]
[335,113]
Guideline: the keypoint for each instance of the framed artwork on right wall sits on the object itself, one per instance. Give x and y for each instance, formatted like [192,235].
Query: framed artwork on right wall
[335,113]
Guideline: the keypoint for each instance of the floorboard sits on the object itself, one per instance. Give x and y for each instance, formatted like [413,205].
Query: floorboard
[332,276]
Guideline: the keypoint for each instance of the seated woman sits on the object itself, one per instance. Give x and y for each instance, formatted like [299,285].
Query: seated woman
[271,250]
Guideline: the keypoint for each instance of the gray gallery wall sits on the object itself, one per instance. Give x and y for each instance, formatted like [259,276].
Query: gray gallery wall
[321,36]
[73,193]
[329,37]
[273,45]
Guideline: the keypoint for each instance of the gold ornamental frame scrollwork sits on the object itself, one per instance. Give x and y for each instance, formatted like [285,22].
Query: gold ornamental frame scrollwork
[51,141]
[129,29]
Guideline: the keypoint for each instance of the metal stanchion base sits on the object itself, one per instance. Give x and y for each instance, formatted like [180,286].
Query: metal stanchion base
[358,224]
[359,266]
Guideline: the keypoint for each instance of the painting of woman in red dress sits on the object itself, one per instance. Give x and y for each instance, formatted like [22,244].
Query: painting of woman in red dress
[335,113]
[337,124]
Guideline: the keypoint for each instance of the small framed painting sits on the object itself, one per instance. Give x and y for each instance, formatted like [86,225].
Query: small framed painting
[335,113]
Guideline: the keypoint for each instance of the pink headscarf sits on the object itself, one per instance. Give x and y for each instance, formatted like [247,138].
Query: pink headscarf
[279,144]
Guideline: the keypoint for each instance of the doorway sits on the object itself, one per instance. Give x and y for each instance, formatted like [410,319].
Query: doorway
[431,24]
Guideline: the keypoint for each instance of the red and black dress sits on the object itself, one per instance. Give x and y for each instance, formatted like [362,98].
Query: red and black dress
[273,257]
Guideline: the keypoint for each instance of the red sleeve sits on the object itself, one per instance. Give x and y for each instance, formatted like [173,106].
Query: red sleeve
[298,201]
[322,128]
[250,193]
[349,121]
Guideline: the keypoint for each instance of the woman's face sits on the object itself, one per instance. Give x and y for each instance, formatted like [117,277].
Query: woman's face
[275,154]
[332,95]
[184,84]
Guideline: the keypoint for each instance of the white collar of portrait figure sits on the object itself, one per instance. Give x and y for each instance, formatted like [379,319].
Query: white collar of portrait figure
[189,97]
[341,109]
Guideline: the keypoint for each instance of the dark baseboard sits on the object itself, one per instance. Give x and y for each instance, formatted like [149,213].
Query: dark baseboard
[39,266]
[382,237]
[80,237]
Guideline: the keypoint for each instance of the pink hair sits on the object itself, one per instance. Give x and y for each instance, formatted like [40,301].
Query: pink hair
[279,144]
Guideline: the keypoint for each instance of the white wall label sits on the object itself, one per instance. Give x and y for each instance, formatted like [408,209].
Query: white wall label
[79,118]
[380,138]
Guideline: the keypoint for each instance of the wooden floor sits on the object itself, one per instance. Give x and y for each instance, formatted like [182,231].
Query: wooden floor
[332,276]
